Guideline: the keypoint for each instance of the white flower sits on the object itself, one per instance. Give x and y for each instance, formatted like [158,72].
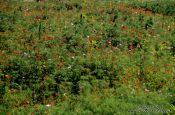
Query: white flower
[48,105]
[87,36]
[109,42]
[169,48]
[64,94]
[25,54]
[69,67]
[146,90]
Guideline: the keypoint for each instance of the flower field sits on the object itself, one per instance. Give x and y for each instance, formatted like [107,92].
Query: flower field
[66,57]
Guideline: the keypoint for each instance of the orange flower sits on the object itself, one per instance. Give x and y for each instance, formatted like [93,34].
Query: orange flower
[16,52]
[37,18]
[11,90]
[50,38]
[138,83]
[45,78]
[167,65]
[25,103]
[124,28]
[7,76]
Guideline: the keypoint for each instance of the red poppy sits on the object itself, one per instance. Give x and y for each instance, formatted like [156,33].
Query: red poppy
[132,47]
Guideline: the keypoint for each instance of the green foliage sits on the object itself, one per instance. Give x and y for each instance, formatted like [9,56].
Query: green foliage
[149,23]
[166,7]
[4,22]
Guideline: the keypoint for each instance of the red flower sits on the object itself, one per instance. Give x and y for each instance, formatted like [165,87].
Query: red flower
[37,18]
[167,65]
[124,28]
[16,52]
[50,38]
[131,47]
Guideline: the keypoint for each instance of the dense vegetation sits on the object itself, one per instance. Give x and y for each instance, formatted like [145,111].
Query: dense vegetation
[166,7]
[91,57]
